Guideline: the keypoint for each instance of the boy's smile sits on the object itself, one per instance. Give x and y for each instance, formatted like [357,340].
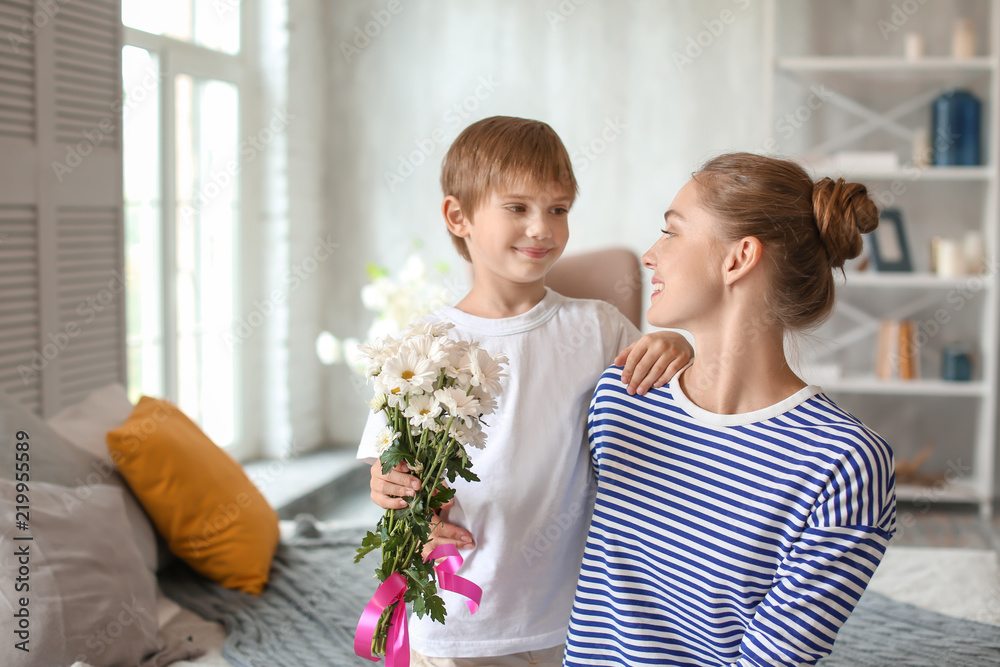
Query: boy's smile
[535,253]
[517,235]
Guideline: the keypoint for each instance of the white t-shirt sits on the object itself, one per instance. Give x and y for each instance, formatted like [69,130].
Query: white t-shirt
[529,514]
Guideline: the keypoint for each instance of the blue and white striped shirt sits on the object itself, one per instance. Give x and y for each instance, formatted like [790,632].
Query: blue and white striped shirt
[721,539]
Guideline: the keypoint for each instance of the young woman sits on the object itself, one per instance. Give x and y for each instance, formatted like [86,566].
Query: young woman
[740,513]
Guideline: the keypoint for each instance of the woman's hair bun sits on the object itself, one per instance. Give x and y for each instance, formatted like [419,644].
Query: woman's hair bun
[843,212]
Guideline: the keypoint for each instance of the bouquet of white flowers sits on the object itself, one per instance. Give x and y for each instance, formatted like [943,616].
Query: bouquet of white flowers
[435,392]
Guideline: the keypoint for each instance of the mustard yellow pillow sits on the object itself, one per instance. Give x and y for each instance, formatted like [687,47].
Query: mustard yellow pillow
[199,498]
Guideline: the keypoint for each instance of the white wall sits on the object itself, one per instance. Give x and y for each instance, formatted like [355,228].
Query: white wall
[583,67]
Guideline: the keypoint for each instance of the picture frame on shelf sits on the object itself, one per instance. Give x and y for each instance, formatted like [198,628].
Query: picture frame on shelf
[889,248]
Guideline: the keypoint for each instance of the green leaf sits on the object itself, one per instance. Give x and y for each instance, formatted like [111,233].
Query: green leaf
[394,540]
[435,606]
[441,498]
[453,466]
[375,271]
[370,542]
[467,474]
[418,606]
[390,459]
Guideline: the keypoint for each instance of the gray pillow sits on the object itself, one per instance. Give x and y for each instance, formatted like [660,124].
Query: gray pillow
[56,461]
[78,590]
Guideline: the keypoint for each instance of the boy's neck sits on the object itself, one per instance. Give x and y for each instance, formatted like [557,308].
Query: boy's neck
[496,301]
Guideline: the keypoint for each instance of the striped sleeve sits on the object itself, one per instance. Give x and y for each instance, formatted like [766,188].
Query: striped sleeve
[815,590]
[820,581]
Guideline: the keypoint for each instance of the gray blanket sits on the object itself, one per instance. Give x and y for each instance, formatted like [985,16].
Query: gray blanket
[307,615]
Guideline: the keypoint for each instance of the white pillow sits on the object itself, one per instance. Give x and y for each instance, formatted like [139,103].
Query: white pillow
[86,424]
[89,596]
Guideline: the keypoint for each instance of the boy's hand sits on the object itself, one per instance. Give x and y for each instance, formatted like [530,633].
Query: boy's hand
[652,360]
[388,490]
[447,533]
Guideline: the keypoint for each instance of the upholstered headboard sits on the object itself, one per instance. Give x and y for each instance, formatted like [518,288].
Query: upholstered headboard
[610,274]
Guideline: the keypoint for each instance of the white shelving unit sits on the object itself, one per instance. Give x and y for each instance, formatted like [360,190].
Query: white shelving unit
[874,99]
[856,64]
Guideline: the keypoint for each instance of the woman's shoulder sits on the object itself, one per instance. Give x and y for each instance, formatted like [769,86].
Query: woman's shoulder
[610,387]
[834,427]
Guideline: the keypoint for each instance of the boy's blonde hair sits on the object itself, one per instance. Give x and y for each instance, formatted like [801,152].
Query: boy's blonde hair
[498,154]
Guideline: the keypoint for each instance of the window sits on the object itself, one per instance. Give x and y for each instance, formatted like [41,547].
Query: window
[182,77]
[213,24]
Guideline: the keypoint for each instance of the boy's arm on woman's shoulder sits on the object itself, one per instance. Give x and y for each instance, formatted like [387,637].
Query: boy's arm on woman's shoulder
[653,359]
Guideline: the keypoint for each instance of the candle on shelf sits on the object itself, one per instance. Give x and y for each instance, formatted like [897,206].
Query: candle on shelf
[949,260]
[974,251]
[921,148]
[913,46]
[956,362]
[963,41]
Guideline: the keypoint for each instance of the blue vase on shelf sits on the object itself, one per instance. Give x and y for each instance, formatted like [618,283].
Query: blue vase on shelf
[955,126]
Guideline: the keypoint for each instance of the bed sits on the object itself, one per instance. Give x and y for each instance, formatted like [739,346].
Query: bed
[925,606]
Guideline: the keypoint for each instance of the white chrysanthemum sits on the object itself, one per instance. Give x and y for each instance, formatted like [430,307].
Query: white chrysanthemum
[414,271]
[384,386]
[487,403]
[376,295]
[397,401]
[435,329]
[378,403]
[407,372]
[458,404]
[384,439]
[457,365]
[486,371]
[422,411]
[468,434]
[377,351]
[430,347]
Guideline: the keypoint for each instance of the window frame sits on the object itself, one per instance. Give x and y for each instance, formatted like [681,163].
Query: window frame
[178,57]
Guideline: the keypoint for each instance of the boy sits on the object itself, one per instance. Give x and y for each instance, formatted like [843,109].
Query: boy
[508,186]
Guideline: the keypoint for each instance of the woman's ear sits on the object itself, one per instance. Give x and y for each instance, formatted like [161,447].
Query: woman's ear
[742,257]
[454,217]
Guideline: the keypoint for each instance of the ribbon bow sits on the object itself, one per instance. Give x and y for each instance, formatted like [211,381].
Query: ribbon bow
[449,581]
[398,645]
[393,589]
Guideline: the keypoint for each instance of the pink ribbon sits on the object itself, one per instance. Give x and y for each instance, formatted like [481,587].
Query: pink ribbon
[449,581]
[397,650]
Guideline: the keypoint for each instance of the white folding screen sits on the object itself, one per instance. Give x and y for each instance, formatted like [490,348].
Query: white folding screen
[62,325]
